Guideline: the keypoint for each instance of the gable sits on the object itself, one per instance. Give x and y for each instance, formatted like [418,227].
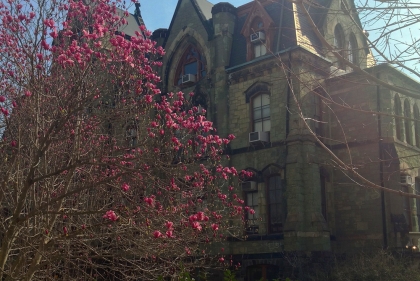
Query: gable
[278,12]
[194,14]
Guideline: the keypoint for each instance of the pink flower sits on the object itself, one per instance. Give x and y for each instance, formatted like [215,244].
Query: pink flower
[2,99]
[169,225]
[251,211]
[65,230]
[13,143]
[196,225]
[170,234]
[149,201]
[215,226]
[5,111]
[125,187]
[221,260]
[28,94]
[231,137]
[110,215]
[157,234]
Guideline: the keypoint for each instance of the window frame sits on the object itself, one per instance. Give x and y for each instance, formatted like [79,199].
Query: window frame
[282,204]
[251,229]
[257,25]
[252,114]
[352,54]
[200,68]
[399,128]
[407,122]
[416,114]
[339,44]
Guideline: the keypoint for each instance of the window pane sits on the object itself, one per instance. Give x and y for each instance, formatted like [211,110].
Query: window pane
[256,102]
[257,113]
[275,204]
[191,68]
[265,99]
[266,111]
[266,126]
[263,50]
[258,126]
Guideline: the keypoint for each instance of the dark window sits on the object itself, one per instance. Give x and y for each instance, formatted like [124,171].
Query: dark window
[323,180]
[263,272]
[192,62]
[406,207]
[252,219]
[416,125]
[261,113]
[407,122]
[353,50]
[339,44]
[275,203]
[398,121]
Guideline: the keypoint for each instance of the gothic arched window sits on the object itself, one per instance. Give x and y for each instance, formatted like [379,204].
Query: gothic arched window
[353,49]
[339,43]
[399,130]
[191,68]
[417,126]
[407,122]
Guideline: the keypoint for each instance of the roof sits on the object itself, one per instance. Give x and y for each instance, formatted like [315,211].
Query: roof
[133,22]
[205,8]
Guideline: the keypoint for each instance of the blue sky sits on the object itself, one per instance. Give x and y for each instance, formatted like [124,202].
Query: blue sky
[158,14]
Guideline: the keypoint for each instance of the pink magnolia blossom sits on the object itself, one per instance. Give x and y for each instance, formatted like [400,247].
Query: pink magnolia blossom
[157,234]
[110,215]
[125,187]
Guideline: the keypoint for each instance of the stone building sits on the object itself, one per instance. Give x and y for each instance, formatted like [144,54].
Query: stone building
[275,73]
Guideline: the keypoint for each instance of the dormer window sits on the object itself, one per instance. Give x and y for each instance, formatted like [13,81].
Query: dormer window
[257,38]
[191,68]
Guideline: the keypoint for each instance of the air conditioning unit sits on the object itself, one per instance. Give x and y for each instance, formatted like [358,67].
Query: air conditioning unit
[257,37]
[258,136]
[249,186]
[406,179]
[187,78]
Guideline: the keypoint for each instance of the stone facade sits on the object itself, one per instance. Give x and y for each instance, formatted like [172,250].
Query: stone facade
[294,84]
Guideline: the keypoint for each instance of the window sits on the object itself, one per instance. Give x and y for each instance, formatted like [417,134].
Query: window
[259,44]
[262,272]
[406,207]
[252,219]
[416,125]
[339,43]
[407,122]
[275,203]
[261,113]
[398,122]
[192,62]
[353,50]
[323,180]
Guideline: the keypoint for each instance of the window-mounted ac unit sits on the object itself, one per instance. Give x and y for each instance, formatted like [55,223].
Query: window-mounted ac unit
[406,179]
[257,37]
[187,78]
[249,186]
[258,136]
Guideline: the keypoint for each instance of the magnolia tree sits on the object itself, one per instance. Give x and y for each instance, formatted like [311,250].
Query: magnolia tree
[102,176]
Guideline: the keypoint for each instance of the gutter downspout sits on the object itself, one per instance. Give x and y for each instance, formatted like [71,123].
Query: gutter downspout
[381,167]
